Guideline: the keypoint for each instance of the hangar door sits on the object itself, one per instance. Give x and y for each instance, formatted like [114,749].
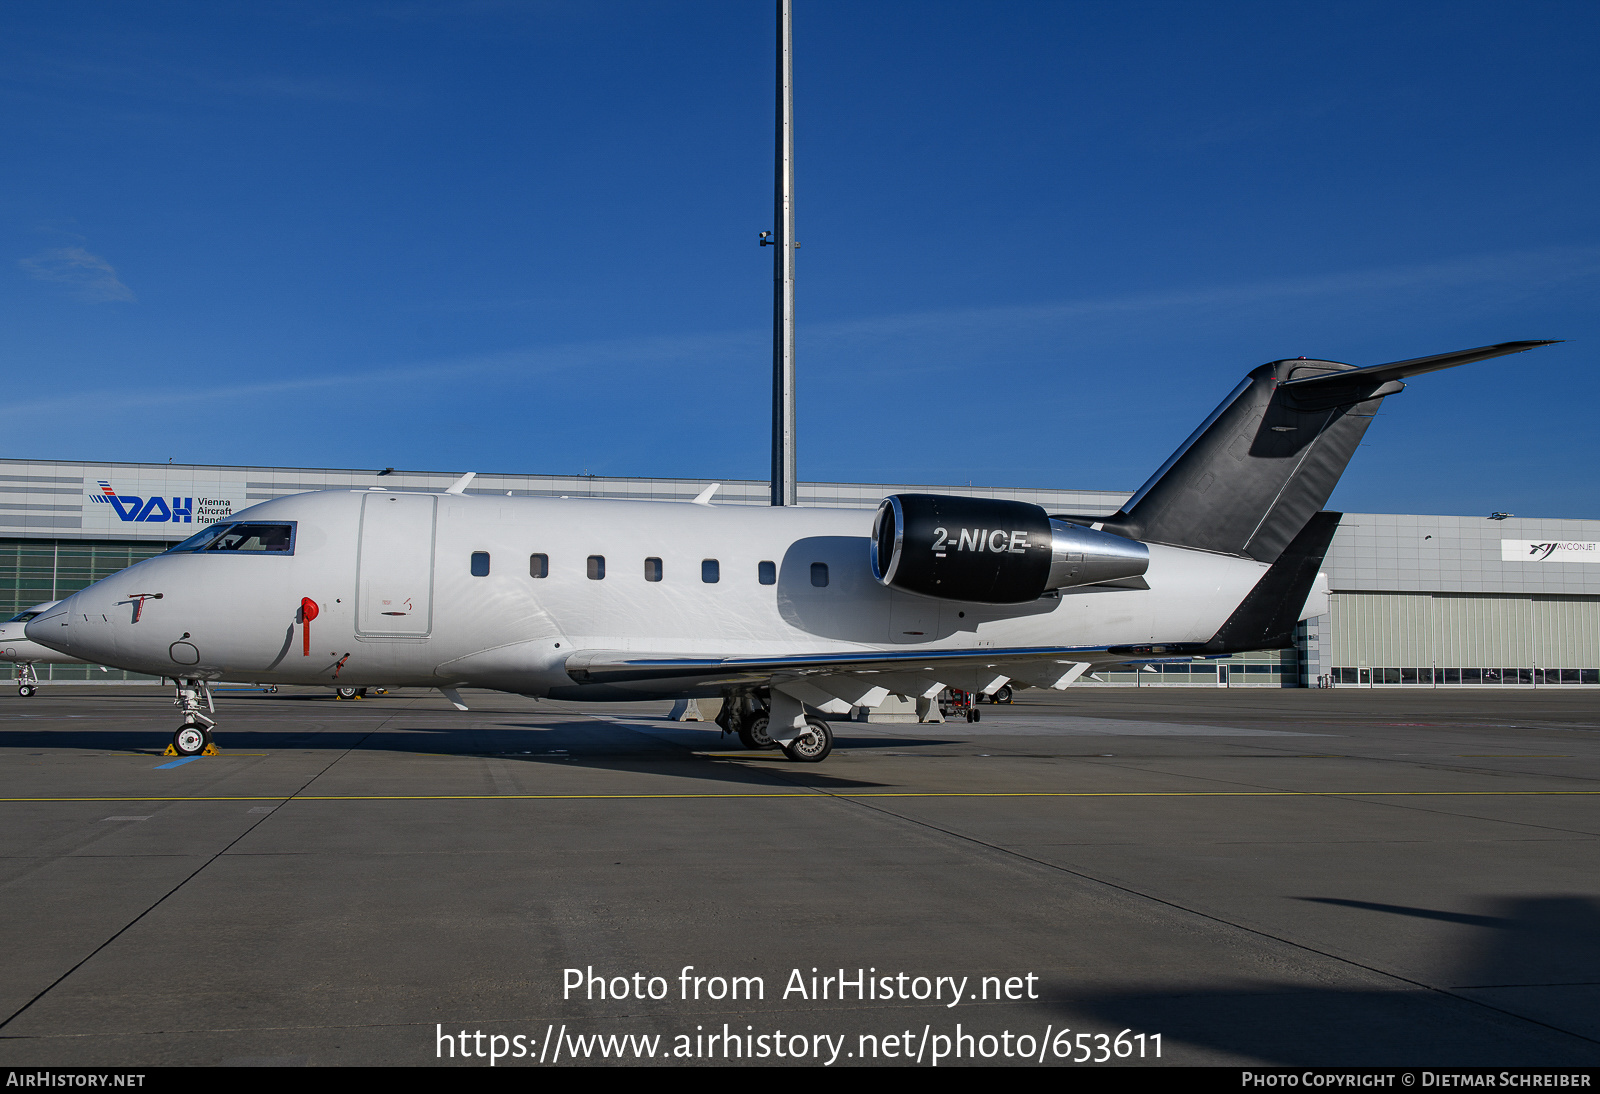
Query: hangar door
[394,567]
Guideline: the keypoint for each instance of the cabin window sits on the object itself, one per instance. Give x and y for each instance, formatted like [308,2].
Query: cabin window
[819,574]
[597,567]
[652,569]
[767,573]
[480,564]
[710,571]
[538,565]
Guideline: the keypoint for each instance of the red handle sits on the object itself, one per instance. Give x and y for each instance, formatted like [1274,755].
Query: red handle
[308,612]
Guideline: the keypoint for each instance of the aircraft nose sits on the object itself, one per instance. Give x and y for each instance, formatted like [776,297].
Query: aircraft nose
[54,629]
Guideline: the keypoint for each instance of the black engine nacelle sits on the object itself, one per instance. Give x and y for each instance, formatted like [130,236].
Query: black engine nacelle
[990,551]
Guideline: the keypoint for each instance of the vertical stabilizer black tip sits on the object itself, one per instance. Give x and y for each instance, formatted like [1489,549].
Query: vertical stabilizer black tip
[1266,618]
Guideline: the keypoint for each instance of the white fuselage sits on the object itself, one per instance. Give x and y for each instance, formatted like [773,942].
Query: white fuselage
[398,604]
[15,646]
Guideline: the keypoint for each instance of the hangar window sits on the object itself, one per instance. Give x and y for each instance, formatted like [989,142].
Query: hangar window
[480,564]
[652,569]
[819,574]
[538,565]
[710,571]
[767,573]
[597,567]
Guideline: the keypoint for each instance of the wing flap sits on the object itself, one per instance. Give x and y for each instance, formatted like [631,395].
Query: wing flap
[624,667]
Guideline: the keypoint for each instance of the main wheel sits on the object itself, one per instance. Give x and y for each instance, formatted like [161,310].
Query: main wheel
[753,733]
[190,740]
[813,744]
[26,691]
[1003,695]
[345,693]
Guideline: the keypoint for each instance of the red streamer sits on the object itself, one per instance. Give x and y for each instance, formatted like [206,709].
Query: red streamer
[308,612]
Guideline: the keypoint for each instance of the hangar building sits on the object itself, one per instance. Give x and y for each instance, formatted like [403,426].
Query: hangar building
[1418,601]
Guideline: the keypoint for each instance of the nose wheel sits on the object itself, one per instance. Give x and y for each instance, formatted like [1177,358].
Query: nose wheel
[193,737]
[27,680]
[192,740]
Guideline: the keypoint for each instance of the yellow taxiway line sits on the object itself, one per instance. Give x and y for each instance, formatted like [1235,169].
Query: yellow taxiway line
[821,794]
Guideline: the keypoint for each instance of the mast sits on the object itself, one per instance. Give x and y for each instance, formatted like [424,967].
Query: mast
[784,487]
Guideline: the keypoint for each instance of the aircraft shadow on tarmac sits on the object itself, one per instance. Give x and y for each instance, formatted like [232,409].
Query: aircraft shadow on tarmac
[1524,991]
[568,742]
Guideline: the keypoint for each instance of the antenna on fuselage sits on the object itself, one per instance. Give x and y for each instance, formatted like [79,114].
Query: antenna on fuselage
[460,485]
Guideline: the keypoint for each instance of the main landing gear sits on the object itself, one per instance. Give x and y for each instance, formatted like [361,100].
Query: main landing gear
[747,717]
[813,744]
[193,737]
[27,680]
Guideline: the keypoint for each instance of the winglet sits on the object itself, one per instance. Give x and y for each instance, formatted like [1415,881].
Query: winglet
[454,696]
[704,497]
[460,487]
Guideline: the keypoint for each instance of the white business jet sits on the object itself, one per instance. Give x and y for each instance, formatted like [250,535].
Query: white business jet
[16,648]
[786,613]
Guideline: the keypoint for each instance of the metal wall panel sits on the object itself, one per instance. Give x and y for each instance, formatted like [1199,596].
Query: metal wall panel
[1422,630]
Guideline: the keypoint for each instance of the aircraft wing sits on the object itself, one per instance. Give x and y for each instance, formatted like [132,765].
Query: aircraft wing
[838,681]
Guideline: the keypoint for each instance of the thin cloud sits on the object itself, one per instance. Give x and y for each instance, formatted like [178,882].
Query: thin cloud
[543,361]
[87,276]
[1541,269]
[1523,270]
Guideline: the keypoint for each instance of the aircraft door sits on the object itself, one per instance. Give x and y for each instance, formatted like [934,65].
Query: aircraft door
[394,568]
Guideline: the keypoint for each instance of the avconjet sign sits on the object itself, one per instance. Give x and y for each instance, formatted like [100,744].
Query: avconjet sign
[992,551]
[1527,550]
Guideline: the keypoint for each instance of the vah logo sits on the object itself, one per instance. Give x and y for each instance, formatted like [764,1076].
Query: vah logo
[154,510]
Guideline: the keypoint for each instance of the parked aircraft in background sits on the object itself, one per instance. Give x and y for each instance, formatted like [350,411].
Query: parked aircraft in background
[16,647]
[783,612]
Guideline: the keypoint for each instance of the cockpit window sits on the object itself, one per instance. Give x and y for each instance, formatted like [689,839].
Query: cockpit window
[272,539]
[199,539]
[23,617]
[254,537]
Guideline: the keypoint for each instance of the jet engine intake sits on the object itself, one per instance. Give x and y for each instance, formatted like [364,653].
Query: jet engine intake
[991,551]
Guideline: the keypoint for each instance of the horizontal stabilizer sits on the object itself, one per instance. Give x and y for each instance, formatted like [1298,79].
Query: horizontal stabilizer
[1373,375]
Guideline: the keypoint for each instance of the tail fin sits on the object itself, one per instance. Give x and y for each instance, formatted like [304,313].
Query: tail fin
[1248,480]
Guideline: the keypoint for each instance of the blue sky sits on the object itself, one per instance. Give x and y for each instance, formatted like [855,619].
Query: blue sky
[1040,240]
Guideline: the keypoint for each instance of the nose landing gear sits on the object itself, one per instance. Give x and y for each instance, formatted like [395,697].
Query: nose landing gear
[27,680]
[193,737]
